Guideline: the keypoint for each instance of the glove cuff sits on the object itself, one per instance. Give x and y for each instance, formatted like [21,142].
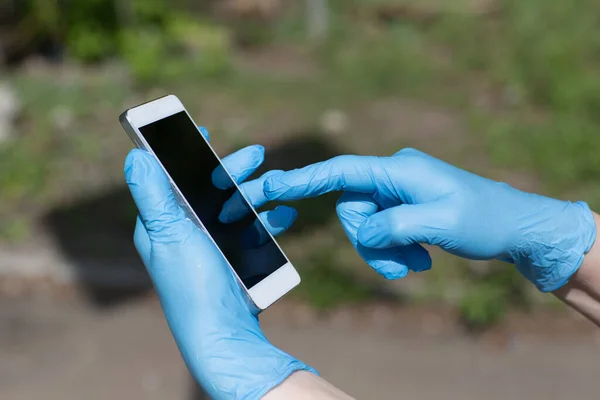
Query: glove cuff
[550,264]
[287,368]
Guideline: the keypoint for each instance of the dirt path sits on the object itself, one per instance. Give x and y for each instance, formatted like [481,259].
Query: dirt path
[63,350]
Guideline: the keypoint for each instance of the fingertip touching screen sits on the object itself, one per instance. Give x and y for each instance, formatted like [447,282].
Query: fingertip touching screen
[190,162]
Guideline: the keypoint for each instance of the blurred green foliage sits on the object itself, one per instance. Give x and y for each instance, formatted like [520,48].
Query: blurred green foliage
[483,305]
[324,286]
[21,181]
[542,57]
[488,295]
[536,61]
[157,40]
[378,65]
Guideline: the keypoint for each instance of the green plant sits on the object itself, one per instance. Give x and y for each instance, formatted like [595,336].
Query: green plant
[156,39]
[23,177]
[145,51]
[207,45]
[41,17]
[482,305]
[89,43]
[182,48]
[489,295]
[13,229]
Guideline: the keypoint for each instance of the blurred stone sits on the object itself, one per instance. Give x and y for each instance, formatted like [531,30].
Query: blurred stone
[10,108]
[334,122]
[62,117]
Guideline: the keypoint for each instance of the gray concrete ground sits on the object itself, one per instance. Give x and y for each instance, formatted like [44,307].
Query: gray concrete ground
[64,349]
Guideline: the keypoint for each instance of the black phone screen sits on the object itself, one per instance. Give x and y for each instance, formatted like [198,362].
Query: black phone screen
[190,162]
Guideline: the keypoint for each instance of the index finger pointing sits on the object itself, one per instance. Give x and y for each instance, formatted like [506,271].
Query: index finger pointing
[353,173]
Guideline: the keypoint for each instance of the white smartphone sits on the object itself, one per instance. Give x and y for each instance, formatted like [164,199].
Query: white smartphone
[165,129]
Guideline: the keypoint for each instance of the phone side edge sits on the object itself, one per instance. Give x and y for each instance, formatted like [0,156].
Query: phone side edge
[129,130]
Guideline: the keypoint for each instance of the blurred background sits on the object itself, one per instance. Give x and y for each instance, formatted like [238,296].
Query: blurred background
[508,89]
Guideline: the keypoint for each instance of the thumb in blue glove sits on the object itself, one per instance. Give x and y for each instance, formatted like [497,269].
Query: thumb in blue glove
[392,205]
[210,316]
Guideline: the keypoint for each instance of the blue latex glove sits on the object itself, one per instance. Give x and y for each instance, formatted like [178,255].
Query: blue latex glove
[213,321]
[392,204]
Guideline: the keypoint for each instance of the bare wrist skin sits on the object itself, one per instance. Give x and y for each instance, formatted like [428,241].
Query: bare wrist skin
[582,292]
[304,385]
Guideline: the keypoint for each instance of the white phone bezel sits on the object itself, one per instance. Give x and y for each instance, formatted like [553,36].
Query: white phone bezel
[274,286]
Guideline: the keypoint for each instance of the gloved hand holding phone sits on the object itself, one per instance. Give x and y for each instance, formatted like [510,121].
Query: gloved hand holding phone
[392,205]
[214,323]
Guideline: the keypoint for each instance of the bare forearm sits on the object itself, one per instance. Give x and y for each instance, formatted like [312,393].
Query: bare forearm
[582,293]
[304,386]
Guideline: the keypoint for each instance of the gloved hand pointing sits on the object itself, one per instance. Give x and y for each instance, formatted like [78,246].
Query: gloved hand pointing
[392,204]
